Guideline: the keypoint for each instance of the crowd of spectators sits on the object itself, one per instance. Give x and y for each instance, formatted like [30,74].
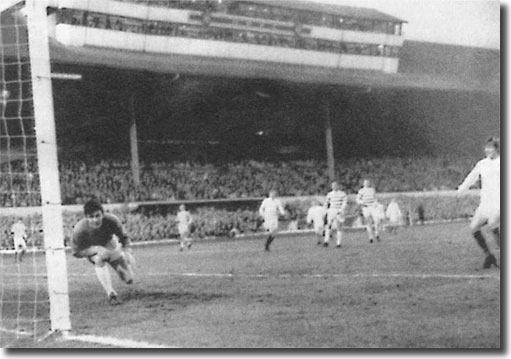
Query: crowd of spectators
[199,5]
[112,181]
[279,13]
[255,35]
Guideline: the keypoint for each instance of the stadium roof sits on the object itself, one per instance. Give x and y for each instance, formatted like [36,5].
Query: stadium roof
[417,77]
[422,66]
[341,10]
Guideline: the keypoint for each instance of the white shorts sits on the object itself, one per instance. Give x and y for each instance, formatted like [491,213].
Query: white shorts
[112,251]
[271,225]
[19,243]
[371,213]
[486,215]
[319,228]
[335,218]
[184,231]
[395,221]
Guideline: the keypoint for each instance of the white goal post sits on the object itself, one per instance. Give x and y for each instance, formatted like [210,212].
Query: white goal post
[48,165]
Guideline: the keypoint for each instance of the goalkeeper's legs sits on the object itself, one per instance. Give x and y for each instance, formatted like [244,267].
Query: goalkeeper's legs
[103,274]
[105,279]
[123,268]
[117,259]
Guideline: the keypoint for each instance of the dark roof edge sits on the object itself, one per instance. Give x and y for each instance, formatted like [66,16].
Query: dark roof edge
[368,13]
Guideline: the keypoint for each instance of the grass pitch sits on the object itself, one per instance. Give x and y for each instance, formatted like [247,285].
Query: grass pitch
[420,288]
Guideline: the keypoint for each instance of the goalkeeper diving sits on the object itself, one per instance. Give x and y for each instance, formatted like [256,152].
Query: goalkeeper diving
[100,237]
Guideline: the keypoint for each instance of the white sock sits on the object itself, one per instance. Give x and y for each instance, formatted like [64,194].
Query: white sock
[339,237]
[105,279]
[370,232]
[327,234]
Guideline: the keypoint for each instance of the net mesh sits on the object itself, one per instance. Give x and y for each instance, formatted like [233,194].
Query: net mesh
[24,304]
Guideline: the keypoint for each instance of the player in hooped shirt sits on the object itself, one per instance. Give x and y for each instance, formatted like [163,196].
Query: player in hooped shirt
[336,203]
[488,212]
[366,198]
[100,237]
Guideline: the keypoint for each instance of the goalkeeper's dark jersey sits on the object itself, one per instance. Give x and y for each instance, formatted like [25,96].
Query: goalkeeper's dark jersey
[84,235]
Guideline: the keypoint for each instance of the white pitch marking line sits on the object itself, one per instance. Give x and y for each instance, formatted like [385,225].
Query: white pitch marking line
[212,251]
[116,342]
[331,275]
[17,332]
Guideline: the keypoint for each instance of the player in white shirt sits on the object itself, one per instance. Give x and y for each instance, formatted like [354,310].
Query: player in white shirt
[19,235]
[366,198]
[394,216]
[488,212]
[184,221]
[336,203]
[316,216]
[270,209]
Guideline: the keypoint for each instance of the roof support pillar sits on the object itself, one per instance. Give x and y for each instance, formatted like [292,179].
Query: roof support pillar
[135,162]
[324,103]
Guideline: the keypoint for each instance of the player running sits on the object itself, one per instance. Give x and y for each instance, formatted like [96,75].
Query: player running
[316,216]
[19,235]
[270,209]
[488,212]
[366,198]
[336,203]
[184,221]
[96,237]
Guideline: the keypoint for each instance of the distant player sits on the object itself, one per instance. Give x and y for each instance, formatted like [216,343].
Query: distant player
[184,221]
[336,203]
[270,209]
[100,237]
[394,216]
[488,212]
[316,216]
[366,198]
[19,236]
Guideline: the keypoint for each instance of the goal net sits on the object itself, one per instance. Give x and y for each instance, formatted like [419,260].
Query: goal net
[33,281]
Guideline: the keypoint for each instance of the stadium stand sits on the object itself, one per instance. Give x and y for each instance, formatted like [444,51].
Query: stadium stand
[111,181]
